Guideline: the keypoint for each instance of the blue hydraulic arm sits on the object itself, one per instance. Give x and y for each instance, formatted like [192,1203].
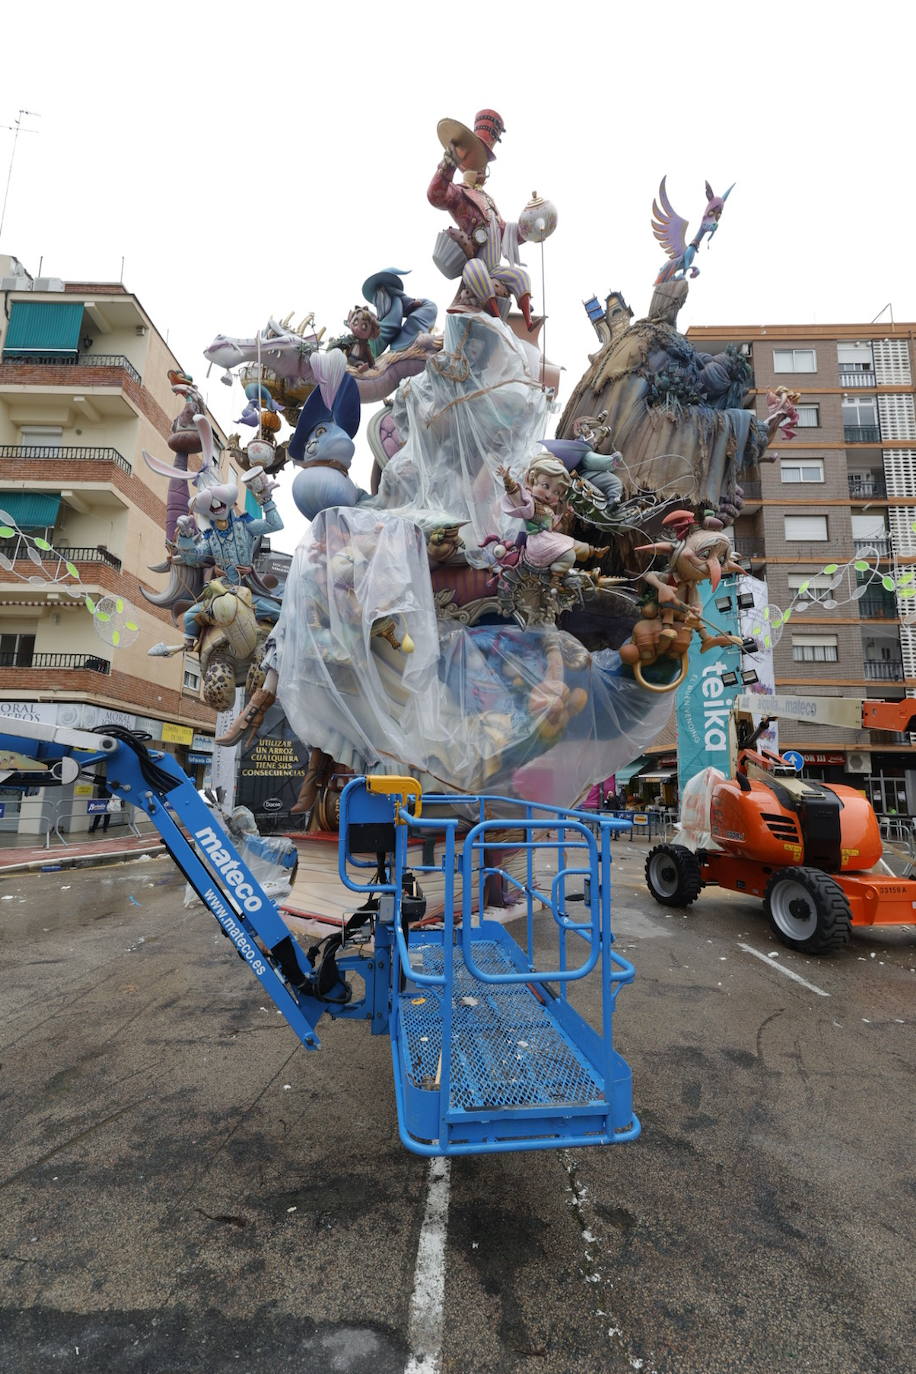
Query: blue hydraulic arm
[196,841]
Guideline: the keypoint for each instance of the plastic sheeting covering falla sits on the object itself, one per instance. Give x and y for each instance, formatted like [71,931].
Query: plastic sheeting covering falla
[527,712]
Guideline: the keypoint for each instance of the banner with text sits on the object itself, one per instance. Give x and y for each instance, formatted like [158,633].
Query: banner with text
[270,772]
[703,701]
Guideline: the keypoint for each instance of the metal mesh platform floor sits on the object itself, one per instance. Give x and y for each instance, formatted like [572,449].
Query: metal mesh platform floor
[507,1051]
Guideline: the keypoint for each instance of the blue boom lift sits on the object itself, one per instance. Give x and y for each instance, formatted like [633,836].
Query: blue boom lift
[489,1053]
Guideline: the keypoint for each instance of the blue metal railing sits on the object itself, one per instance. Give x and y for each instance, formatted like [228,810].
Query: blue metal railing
[484,964]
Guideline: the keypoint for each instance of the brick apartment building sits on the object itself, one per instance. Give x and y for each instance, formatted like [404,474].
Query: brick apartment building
[83,389]
[844,485]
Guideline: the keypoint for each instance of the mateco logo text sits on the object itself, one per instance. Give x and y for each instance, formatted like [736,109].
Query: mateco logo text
[229,868]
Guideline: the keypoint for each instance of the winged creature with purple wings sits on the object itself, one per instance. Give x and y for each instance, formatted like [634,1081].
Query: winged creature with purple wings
[671,231]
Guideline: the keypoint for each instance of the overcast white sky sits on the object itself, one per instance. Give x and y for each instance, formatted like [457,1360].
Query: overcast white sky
[249,161]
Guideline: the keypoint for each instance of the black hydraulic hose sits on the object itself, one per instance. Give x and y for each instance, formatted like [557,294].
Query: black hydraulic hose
[158,779]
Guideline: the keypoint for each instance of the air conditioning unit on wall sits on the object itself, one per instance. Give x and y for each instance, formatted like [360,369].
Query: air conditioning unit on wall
[858,762]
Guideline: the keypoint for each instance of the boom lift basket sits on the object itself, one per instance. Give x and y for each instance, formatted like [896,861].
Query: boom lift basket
[489,1051]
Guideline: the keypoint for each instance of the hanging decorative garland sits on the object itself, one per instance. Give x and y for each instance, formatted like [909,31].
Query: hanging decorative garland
[768,623]
[114,619]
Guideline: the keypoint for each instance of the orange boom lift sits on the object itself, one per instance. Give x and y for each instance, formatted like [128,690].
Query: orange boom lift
[811,850]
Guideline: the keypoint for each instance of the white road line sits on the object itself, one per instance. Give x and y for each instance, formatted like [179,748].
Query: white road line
[428,1300]
[771,963]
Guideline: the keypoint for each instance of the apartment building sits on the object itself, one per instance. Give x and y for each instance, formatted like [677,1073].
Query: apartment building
[83,390]
[844,488]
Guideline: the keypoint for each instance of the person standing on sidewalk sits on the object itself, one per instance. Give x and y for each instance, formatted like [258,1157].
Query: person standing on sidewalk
[102,793]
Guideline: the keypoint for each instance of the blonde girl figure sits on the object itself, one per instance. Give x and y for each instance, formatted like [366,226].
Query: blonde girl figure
[541,503]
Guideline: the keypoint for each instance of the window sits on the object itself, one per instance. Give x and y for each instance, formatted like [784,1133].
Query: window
[806,527]
[868,527]
[41,436]
[191,680]
[815,648]
[16,651]
[794,360]
[855,357]
[809,417]
[860,410]
[812,582]
[802,470]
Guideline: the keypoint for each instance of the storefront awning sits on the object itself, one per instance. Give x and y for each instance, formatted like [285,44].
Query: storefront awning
[30,509]
[656,777]
[623,775]
[44,327]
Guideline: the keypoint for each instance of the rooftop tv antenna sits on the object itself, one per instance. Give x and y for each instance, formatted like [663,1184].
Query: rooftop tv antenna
[17,130]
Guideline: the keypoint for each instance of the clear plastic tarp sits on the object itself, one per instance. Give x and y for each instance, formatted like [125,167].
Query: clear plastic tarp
[369,674]
[478,405]
[528,711]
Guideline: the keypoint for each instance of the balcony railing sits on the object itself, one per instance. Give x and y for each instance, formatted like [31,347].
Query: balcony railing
[84,453]
[878,608]
[850,379]
[880,548]
[860,487]
[878,670]
[751,546]
[116,360]
[21,549]
[89,661]
[861,434]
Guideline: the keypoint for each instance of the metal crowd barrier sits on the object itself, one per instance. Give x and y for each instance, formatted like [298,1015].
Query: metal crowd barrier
[68,811]
[43,817]
[898,830]
[650,824]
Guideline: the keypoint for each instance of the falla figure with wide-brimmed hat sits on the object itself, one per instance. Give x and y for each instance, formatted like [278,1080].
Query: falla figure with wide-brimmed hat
[492,270]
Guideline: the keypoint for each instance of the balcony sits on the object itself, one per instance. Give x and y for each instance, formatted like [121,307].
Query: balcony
[29,453]
[873,485]
[112,360]
[879,670]
[878,608]
[20,549]
[52,661]
[872,548]
[850,379]
[750,547]
[861,434]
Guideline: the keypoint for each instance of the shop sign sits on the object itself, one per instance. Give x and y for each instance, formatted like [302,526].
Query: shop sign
[194,757]
[82,716]
[28,710]
[176,734]
[824,758]
[203,742]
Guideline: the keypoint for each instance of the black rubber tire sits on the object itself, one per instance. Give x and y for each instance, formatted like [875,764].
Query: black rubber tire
[807,910]
[673,875]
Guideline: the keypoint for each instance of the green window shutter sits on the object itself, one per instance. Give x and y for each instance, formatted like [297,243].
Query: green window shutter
[43,327]
[29,509]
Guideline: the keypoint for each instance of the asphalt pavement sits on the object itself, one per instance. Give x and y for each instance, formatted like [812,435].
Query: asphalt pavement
[183,1188]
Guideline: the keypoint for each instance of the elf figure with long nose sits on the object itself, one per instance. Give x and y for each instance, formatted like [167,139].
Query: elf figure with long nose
[674,613]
